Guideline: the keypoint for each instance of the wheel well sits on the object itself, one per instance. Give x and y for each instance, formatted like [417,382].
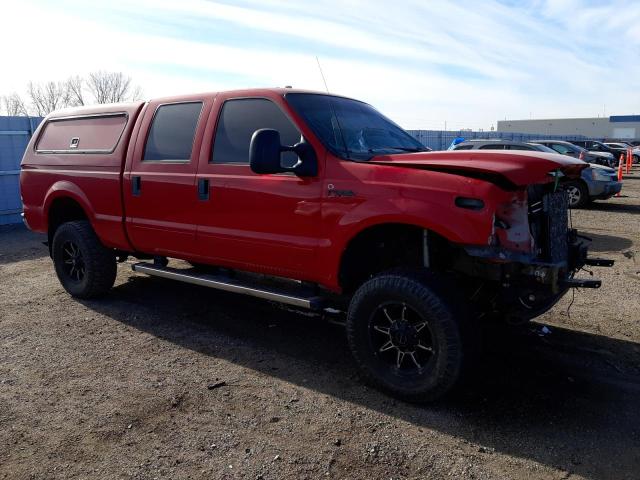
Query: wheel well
[63,210]
[581,181]
[383,247]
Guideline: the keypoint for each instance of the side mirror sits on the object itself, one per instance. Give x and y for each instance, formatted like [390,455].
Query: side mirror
[265,153]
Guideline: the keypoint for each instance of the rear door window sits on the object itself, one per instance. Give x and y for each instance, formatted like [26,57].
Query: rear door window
[239,120]
[172,132]
[492,147]
[519,147]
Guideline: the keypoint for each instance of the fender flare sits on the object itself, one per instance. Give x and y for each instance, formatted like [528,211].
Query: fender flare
[350,232]
[67,189]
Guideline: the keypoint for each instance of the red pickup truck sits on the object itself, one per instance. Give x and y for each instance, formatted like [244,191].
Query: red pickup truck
[316,201]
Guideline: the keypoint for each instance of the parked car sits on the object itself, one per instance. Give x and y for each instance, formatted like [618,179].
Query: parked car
[312,200]
[622,147]
[595,146]
[575,151]
[596,182]
[499,144]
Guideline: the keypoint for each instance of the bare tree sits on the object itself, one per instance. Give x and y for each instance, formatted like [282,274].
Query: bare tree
[136,94]
[14,105]
[111,87]
[46,98]
[75,91]
[104,87]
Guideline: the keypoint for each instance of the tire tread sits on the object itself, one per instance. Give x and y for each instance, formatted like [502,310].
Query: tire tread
[420,286]
[100,261]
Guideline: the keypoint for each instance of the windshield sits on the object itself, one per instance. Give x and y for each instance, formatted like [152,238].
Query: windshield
[577,148]
[542,148]
[351,129]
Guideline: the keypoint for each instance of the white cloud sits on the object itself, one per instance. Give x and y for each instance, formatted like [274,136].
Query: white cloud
[420,62]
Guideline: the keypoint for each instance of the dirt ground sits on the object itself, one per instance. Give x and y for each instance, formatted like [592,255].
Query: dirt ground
[131,386]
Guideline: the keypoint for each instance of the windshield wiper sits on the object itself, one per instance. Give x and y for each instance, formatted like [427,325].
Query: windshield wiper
[404,149]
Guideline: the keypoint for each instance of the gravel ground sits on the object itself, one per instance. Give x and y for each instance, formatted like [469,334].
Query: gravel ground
[165,380]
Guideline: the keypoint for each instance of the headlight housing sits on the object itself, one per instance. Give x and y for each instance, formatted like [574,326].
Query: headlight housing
[600,176]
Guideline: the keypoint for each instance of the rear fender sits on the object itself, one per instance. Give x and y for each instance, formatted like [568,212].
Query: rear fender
[67,189]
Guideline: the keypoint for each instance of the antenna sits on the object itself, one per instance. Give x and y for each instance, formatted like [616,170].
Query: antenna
[322,74]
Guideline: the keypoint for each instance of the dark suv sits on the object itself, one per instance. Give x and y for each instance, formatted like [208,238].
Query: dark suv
[622,147]
[575,151]
[596,146]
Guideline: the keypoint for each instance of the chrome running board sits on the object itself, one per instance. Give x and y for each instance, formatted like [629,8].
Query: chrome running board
[295,297]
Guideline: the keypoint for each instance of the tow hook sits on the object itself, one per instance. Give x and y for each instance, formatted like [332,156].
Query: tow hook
[580,283]
[599,262]
[588,283]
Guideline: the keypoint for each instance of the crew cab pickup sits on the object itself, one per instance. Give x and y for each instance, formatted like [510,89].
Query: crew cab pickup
[313,200]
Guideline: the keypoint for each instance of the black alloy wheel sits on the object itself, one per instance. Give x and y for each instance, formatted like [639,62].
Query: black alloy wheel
[84,266]
[401,337]
[73,262]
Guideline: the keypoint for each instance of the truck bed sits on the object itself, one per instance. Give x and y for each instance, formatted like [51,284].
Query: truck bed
[80,153]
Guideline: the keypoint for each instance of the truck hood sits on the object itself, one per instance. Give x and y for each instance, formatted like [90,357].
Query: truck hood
[505,168]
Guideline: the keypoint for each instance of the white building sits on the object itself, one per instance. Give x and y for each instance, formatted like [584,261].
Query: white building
[620,127]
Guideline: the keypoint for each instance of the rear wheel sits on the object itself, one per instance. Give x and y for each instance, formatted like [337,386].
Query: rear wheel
[85,267]
[406,339]
[577,193]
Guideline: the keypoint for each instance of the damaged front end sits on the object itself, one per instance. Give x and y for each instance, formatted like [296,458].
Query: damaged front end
[532,256]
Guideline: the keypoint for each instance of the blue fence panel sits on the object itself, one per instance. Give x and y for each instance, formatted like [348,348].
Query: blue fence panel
[441,139]
[15,133]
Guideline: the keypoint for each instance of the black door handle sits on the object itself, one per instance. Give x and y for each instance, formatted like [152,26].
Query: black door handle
[136,185]
[203,189]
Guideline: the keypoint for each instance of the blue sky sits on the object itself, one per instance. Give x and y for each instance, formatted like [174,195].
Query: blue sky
[468,63]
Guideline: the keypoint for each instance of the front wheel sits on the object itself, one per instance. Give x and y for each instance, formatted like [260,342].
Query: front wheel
[85,267]
[577,193]
[406,339]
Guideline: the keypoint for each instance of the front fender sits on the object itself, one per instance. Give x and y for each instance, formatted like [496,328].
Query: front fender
[453,223]
[456,224]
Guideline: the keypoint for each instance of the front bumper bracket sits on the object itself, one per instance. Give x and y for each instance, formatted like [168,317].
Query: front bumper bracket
[580,283]
[599,262]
